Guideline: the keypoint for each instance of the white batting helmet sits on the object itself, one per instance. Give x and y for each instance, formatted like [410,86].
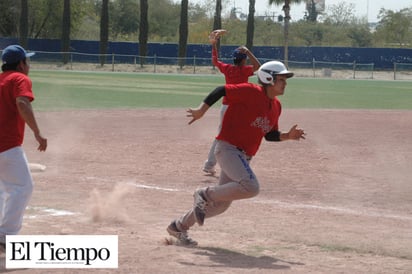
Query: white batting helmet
[268,71]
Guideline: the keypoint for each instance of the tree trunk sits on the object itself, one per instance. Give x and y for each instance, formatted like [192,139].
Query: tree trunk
[143,30]
[65,46]
[217,19]
[24,23]
[286,9]
[104,31]
[183,32]
[250,25]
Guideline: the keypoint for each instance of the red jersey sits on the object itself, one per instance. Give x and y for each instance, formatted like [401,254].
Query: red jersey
[249,117]
[233,74]
[13,84]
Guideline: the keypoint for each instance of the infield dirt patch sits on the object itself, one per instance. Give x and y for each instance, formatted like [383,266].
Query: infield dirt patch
[338,202]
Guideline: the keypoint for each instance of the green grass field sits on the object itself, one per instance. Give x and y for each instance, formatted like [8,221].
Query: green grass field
[60,90]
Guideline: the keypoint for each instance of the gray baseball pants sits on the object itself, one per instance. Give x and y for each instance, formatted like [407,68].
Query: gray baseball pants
[211,158]
[237,181]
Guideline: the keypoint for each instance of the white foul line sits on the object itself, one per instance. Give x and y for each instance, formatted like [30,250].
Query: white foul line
[154,187]
[360,212]
[48,212]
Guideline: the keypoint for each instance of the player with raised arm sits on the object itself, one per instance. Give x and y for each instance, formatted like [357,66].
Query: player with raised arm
[236,73]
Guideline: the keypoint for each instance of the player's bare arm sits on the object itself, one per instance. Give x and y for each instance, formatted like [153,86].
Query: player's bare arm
[212,98]
[26,112]
[252,58]
[214,55]
[294,133]
[197,113]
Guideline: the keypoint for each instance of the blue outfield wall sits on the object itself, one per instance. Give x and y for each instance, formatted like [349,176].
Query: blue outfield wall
[382,58]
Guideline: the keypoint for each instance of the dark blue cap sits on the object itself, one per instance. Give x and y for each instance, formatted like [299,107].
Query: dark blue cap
[14,54]
[237,54]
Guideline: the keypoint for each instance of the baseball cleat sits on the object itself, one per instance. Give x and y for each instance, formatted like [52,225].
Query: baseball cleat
[199,207]
[181,236]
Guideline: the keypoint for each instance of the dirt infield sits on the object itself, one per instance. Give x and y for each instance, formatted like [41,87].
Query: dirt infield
[338,202]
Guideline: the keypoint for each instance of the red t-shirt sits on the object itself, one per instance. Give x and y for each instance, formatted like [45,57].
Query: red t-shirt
[13,84]
[233,74]
[249,116]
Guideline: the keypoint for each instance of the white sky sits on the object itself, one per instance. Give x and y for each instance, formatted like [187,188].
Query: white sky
[363,8]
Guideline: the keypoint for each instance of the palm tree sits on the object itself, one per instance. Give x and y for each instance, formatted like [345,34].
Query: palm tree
[250,30]
[183,32]
[286,10]
[65,46]
[143,30]
[24,23]
[104,31]
[217,19]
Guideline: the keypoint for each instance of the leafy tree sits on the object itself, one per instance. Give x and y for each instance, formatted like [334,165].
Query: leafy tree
[360,34]
[339,26]
[286,10]
[143,30]
[200,24]
[269,32]
[308,33]
[164,21]
[341,14]
[236,32]
[8,18]
[272,33]
[342,28]
[80,12]
[104,30]
[197,13]
[45,19]
[395,27]
[183,31]
[125,17]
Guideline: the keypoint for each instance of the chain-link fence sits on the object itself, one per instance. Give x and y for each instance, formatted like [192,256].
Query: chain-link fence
[193,65]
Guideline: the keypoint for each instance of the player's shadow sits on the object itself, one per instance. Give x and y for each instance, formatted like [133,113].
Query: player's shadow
[209,182]
[212,176]
[3,266]
[231,259]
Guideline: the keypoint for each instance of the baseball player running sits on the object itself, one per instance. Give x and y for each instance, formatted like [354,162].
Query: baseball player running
[252,114]
[237,73]
[16,183]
